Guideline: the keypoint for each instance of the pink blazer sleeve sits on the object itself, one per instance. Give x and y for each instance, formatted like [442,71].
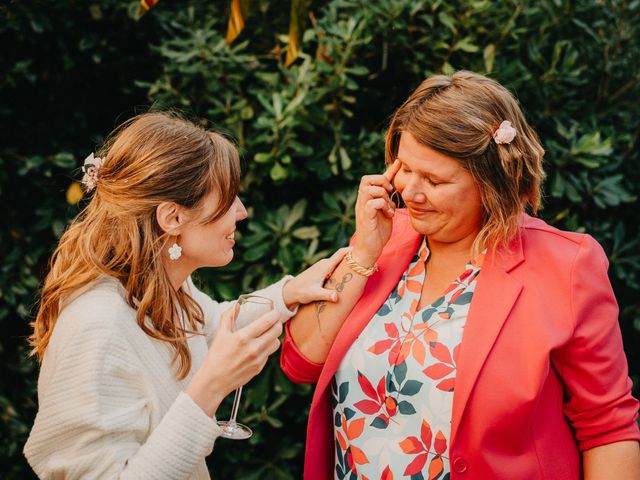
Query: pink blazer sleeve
[295,365]
[592,363]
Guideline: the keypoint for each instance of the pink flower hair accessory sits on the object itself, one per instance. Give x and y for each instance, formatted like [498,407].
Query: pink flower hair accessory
[505,133]
[91,169]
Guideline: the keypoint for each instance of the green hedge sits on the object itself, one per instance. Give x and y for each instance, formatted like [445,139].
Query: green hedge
[306,133]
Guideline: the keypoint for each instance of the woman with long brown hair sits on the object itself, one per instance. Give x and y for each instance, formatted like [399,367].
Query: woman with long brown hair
[135,359]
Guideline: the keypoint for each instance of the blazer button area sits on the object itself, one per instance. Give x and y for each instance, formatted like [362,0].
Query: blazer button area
[460,465]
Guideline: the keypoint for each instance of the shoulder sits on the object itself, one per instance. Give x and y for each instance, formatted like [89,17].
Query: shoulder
[102,298]
[98,310]
[543,241]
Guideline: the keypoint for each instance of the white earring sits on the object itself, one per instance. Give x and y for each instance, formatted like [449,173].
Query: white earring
[175,252]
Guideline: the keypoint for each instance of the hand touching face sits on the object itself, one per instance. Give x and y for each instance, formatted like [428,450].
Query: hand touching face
[442,198]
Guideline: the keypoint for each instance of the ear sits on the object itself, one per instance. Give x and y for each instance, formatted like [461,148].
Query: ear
[170,217]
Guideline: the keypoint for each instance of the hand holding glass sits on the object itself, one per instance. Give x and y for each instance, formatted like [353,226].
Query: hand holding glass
[230,428]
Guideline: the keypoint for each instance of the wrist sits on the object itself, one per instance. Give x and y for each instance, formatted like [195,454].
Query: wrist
[363,257]
[207,393]
[290,294]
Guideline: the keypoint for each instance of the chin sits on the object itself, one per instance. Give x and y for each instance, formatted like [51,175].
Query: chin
[222,260]
[420,226]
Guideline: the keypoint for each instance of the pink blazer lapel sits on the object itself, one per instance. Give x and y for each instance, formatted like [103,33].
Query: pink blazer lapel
[392,263]
[496,293]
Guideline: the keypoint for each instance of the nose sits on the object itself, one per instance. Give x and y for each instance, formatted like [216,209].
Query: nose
[411,193]
[241,212]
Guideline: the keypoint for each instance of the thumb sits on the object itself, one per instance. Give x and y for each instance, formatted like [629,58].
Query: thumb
[228,319]
[327,295]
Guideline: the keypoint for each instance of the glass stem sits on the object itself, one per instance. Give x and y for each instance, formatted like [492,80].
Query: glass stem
[236,404]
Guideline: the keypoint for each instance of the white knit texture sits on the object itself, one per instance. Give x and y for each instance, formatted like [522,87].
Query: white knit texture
[110,405]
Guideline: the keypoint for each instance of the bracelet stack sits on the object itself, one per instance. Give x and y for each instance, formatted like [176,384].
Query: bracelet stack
[359,269]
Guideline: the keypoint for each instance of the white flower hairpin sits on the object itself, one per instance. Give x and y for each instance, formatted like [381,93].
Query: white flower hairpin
[91,169]
[505,133]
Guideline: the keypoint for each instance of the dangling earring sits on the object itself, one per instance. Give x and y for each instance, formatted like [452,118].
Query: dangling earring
[175,251]
[396,199]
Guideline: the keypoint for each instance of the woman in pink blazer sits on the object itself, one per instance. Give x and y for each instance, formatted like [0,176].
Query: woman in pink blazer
[470,340]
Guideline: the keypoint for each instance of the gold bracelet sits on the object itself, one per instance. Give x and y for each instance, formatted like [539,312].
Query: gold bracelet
[360,269]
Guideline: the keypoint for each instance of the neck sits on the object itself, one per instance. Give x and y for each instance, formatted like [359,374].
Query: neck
[178,272]
[459,248]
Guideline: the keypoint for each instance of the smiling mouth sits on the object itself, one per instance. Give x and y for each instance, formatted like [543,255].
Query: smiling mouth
[419,211]
[232,236]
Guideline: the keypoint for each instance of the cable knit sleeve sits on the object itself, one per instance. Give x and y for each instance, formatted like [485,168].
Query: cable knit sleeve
[95,416]
[212,309]
[592,364]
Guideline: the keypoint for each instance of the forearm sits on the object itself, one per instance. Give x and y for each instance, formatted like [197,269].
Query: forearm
[620,460]
[316,325]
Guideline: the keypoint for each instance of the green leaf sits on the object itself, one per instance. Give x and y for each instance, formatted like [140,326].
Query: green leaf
[295,215]
[306,233]
[262,157]
[345,161]
[278,172]
[447,21]
[466,45]
[489,56]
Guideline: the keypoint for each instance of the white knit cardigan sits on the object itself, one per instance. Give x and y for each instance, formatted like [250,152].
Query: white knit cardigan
[110,405]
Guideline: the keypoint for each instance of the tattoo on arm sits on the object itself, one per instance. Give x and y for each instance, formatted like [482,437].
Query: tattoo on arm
[320,306]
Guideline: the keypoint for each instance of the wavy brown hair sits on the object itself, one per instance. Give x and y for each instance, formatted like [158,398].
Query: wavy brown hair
[457,115]
[150,159]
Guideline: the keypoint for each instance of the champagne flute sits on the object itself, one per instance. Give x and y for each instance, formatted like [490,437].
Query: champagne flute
[230,428]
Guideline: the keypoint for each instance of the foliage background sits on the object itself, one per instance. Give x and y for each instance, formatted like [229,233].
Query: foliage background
[71,71]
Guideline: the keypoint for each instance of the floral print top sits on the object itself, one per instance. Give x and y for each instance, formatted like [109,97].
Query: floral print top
[392,395]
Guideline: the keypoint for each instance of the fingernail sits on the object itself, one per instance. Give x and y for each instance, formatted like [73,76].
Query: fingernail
[334,297]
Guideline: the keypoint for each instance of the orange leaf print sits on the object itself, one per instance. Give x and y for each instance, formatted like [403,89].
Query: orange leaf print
[355,428]
[405,349]
[391,405]
[465,274]
[417,464]
[456,352]
[413,286]
[417,270]
[419,352]
[426,435]
[366,387]
[450,288]
[368,407]
[411,445]
[441,352]
[444,315]
[381,346]
[455,296]
[438,371]
[391,330]
[358,456]
[413,308]
[401,290]
[387,474]
[341,441]
[447,385]
[381,388]
[435,468]
[440,443]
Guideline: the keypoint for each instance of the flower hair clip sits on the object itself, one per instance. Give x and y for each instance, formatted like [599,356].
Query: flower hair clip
[505,133]
[91,169]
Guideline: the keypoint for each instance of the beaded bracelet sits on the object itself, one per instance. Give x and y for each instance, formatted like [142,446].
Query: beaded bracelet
[356,267]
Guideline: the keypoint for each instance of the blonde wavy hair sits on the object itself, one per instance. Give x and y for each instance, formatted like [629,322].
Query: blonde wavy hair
[150,159]
[457,115]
